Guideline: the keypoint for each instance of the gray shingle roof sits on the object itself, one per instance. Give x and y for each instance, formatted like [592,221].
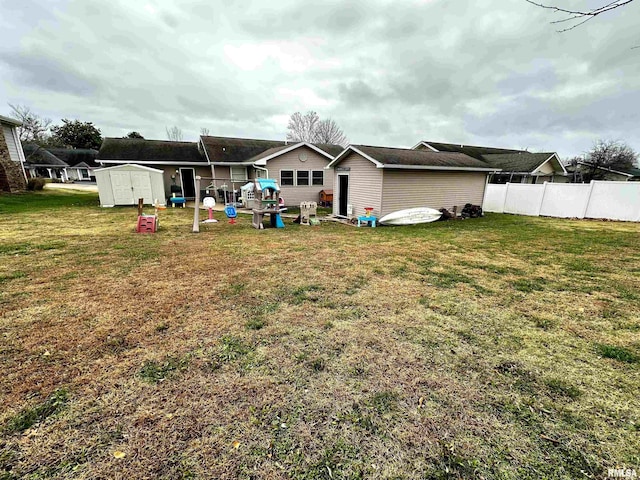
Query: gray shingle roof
[236,150]
[332,150]
[517,162]
[140,151]
[74,157]
[425,158]
[471,150]
[37,155]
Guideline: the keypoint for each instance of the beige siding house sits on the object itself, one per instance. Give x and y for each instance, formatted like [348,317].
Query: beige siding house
[301,170]
[391,179]
[12,173]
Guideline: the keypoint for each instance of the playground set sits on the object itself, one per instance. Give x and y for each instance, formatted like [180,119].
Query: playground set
[266,201]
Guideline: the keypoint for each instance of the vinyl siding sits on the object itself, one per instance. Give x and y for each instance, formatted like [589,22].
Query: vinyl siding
[11,142]
[365,185]
[414,188]
[293,195]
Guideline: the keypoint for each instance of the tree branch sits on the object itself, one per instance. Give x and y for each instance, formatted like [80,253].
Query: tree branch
[584,15]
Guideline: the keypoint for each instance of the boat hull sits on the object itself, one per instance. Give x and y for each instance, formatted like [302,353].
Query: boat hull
[411,216]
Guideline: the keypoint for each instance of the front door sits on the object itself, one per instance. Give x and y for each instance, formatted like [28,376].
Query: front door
[121,186]
[188,179]
[141,186]
[343,192]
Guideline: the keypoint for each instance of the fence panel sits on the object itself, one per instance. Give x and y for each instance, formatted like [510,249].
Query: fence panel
[523,199]
[565,200]
[494,198]
[615,200]
[599,199]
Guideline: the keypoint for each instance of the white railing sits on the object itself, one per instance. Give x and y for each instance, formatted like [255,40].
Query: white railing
[598,199]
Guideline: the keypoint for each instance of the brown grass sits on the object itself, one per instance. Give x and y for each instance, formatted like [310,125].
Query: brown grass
[457,350]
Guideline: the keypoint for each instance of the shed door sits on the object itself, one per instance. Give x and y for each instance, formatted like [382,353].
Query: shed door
[141,185]
[122,189]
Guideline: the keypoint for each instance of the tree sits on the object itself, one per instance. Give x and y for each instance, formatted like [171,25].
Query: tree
[174,134]
[578,17]
[77,134]
[134,135]
[607,155]
[34,128]
[204,132]
[309,128]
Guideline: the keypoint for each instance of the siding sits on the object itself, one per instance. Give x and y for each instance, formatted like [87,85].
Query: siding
[365,185]
[11,143]
[414,188]
[293,195]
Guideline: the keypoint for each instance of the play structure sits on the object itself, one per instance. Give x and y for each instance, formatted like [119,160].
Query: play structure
[147,223]
[308,213]
[266,201]
[209,203]
[367,218]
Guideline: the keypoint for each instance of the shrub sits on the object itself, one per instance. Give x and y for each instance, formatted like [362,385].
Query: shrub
[35,184]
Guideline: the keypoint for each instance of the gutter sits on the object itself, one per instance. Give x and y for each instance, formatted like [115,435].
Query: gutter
[433,167]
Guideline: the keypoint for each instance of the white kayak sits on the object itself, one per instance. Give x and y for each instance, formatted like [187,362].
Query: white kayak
[411,216]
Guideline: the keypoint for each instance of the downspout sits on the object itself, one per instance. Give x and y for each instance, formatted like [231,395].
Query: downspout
[266,171]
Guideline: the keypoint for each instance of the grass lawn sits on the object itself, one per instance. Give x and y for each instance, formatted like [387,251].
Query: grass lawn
[503,347]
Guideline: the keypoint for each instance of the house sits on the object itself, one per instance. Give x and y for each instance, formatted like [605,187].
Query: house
[299,168]
[81,162]
[39,162]
[12,174]
[517,166]
[390,179]
[226,164]
[584,169]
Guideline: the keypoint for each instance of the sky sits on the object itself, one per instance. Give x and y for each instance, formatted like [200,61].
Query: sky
[392,73]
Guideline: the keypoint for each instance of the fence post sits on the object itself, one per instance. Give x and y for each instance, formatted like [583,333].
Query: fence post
[196,210]
[544,192]
[586,204]
[506,194]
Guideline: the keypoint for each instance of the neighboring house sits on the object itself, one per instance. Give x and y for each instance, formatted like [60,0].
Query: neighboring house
[12,173]
[226,164]
[40,162]
[517,166]
[81,162]
[582,169]
[390,179]
[180,161]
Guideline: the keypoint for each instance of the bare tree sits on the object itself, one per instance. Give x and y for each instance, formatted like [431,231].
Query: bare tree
[174,134]
[204,131]
[607,155]
[309,128]
[575,18]
[34,128]
[328,131]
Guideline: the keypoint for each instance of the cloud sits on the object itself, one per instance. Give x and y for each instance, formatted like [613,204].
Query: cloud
[388,72]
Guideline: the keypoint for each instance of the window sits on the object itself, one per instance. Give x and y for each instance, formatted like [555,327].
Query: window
[302,177]
[286,177]
[238,174]
[84,173]
[317,177]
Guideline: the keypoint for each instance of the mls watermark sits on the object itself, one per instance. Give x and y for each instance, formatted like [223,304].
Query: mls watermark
[622,473]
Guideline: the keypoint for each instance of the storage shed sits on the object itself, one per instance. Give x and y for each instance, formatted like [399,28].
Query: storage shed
[125,184]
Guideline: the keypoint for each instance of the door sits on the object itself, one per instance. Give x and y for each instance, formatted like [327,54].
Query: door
[121,186]
[141,187]
[188,179]
[343,194]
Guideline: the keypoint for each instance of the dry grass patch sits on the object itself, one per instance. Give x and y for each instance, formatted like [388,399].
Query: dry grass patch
[503,347]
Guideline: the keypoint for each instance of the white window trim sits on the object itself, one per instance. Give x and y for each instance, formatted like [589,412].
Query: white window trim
[295,177]
[234,179]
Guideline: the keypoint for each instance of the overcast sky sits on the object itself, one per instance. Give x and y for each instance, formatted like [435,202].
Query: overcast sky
[391,73]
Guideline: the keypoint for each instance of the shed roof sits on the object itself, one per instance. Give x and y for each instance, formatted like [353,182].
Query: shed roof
[408,158]
[149,151]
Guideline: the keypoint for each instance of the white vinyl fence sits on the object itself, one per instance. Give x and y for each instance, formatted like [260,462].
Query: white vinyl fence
[598,199]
